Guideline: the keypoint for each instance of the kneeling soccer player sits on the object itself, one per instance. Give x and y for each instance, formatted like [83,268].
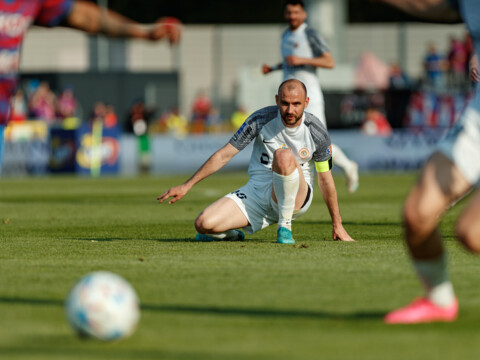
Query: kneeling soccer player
[288,144]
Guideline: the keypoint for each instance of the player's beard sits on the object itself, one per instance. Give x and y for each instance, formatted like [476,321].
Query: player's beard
[294,24]
[291,120]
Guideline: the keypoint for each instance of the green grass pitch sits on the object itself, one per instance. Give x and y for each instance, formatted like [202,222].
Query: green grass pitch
[319,299]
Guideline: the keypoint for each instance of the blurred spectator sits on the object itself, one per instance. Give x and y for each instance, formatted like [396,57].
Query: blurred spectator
[110,120]
[201,108]
[375,123]
[214,121]
[175,123]
[397,96]
[398,80]
[31,88]
[353,108]
[42,104]
[137,122]
[138,118]
[66,103]
[99,111]
[19,106]
[434,65]
[239,117]
[457,60]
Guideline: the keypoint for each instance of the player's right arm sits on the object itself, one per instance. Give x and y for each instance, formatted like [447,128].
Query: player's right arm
[433,10]
[218,160]
[93,19]
[269,68]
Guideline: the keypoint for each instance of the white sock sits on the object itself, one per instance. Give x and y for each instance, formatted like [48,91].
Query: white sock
[340,159]
[286,189]
[227,235]
[434,275]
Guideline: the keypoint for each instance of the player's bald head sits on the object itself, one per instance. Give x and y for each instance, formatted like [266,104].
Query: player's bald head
[291,85]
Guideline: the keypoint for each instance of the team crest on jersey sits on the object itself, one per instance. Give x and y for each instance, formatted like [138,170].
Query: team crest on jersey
[284,146]
[329,150]
[303,153]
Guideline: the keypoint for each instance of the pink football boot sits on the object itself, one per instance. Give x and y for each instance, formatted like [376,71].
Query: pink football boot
[422,310]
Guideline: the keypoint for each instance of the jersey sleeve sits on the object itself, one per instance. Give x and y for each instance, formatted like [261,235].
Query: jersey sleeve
[52,12]
[252,126]
[317,43]
[322,155]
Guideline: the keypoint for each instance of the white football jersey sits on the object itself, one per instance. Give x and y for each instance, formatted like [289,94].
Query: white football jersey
[305,42]
[309,141]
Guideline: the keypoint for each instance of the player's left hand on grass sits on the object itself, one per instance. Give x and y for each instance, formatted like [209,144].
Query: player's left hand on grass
[340,234]
[175,193]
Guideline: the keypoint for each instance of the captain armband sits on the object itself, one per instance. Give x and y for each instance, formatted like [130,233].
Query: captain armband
[323,166]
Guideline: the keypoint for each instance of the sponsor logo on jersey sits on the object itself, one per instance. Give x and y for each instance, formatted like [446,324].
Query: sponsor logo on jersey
[329,150]
[303,153]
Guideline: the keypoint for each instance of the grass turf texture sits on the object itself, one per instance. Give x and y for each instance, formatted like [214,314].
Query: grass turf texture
[318,299]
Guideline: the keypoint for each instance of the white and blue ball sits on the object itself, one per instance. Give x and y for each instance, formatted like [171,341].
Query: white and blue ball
[103,305]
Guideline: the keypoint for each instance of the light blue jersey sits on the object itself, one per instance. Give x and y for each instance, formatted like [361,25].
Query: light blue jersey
[462,143]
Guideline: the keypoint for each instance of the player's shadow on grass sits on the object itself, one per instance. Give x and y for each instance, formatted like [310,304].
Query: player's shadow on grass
[265,312]
[348,223]
[98,239]
[222,311]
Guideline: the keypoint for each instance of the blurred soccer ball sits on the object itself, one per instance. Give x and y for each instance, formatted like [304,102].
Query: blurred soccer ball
[103,305]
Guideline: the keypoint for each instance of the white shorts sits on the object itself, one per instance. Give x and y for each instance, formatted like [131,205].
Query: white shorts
[462,145]
[256,203]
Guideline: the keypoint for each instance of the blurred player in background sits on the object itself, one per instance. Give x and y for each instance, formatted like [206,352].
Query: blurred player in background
[16,16]
[280,189]
[303,51]
[447,176]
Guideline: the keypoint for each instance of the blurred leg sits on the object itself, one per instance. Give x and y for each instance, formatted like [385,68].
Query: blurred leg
[468,226]
[439,185]
[349,167]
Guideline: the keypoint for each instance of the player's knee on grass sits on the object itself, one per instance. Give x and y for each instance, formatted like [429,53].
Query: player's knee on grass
[204,225]
[283,162]
[200,224]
